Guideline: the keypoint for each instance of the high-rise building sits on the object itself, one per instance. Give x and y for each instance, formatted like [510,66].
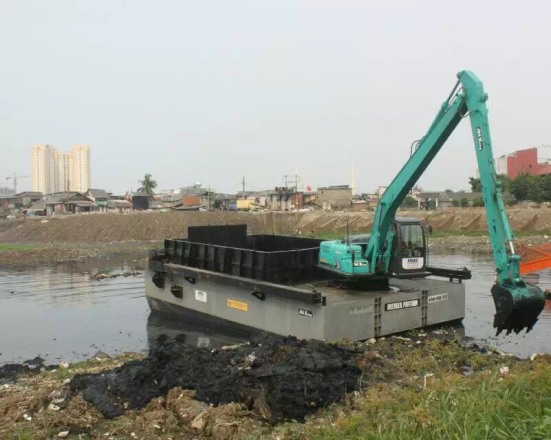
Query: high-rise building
[52,171]
[80,168]
[43,169]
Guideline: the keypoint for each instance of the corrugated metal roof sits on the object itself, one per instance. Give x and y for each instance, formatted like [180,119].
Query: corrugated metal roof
[98,193]
[81,203]
[119,204]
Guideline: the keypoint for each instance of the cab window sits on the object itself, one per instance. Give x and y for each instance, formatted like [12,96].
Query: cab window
[412,241]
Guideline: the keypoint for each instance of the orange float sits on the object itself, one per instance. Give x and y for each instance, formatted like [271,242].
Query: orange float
[534,258]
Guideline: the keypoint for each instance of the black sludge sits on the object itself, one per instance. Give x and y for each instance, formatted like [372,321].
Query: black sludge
[11,372]
[290,377]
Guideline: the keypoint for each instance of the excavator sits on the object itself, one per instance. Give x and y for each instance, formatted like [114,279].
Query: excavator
[397,247]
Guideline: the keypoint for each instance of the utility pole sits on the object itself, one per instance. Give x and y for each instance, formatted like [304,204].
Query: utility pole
[292,180]
[244,187]
[353,180]
[291,186]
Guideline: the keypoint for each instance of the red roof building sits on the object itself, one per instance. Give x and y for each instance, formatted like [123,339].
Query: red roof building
[522,162]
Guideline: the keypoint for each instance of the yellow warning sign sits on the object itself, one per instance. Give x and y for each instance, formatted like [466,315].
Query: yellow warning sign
[239,305]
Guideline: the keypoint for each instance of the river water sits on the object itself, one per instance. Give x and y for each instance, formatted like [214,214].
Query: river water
[63,315]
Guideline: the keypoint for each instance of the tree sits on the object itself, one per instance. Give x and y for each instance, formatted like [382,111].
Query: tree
[410,202]
[147,184]
[464,202]
[478,202]
[546,183]
[476,186]
[455,203]
[505,182]
[522,187]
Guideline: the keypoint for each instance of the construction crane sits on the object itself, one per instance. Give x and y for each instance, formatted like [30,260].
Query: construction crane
[14,178]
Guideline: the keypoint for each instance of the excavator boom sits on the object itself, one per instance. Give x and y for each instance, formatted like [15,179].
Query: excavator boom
[518,304]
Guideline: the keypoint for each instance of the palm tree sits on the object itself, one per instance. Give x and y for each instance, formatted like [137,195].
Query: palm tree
[147,184]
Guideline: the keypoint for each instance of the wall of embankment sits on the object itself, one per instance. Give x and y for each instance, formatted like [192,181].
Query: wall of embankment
[142,226]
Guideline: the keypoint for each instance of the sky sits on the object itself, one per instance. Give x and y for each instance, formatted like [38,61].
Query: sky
[212,91]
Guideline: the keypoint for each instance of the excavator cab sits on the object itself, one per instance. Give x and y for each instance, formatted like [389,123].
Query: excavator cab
[409,249]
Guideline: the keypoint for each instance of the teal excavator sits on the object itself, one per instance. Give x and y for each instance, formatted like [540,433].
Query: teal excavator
[397,247]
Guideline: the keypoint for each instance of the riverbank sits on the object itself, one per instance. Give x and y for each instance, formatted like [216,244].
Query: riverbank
[418,385]
[77,255]
[27,255]
[39,241]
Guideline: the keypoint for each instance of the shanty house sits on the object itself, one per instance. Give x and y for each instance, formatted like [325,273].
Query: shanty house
[29,197]
[99,197]
[119,205]
[68,202]
[335,197]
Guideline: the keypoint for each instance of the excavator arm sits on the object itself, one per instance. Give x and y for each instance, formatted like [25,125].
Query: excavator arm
[518,304]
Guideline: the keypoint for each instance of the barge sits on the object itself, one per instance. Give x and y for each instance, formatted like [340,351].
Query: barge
[220,274]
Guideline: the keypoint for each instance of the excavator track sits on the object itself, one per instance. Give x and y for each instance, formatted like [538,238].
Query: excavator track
[517,307]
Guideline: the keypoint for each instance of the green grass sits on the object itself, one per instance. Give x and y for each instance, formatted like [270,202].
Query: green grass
[517,234]
[88,365]
[44,432]
[18,247]
[435,234]
[446,233]
[517,406]
[27,434]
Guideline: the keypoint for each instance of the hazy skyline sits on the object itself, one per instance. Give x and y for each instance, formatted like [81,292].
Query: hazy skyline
[213,91]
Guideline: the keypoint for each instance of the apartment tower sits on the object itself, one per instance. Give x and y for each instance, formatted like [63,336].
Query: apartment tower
[52,171]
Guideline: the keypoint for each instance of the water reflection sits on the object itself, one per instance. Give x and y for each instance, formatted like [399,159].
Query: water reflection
[64,315]
[480,308]
[162,327]
[67,316]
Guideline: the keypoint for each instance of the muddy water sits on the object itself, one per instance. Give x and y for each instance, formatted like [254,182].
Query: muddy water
[61,314]
[480,307]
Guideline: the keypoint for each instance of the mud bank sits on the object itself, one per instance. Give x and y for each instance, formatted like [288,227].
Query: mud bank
[38,241]
[10,373]
[78,256]
[156,226]
[474,244]
[282,379]
[39,254]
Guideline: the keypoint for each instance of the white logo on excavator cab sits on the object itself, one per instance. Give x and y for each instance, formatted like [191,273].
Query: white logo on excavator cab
[480,140]
[413,263]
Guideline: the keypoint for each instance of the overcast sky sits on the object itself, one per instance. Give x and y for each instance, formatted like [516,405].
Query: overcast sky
[211,91]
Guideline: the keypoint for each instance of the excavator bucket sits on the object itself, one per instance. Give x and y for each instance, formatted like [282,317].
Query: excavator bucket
[517,307]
